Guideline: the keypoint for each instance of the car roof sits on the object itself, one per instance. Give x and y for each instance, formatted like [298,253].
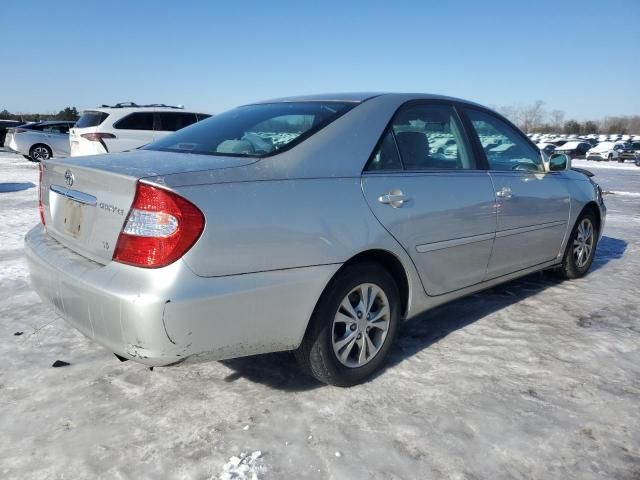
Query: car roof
[359,97]
[570,144]
[138,109]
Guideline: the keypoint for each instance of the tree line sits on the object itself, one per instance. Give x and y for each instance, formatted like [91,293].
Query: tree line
[535,118]
[68,113]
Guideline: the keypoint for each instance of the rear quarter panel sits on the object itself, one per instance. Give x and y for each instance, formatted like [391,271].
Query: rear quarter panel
[273,225]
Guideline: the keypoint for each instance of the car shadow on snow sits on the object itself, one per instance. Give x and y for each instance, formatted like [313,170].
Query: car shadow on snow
[280,371]
[275,370]
[15,187]
[608,249]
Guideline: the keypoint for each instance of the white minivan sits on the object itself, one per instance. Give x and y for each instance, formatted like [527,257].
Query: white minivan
[126,126]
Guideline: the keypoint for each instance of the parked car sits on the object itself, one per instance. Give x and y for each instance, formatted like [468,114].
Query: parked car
[126,126]
[630,151]
[6,124]
[574,149]
[558,142]
[603,151]
[547,148]
[312,224]
[40,141]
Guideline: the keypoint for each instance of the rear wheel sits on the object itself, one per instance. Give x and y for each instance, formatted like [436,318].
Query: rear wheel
[353,326]
[40,152]
[581,247]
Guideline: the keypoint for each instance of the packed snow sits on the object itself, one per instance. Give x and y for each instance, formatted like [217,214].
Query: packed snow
[537,378]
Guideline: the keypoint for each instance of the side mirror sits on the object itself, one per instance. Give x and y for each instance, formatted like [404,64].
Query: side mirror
[559,161]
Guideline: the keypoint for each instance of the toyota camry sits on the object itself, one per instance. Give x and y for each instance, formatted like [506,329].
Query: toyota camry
[314,224]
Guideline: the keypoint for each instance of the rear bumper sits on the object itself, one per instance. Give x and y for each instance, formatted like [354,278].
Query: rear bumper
[163,316]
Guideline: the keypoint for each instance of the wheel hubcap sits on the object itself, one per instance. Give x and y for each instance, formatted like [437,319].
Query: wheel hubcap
[360,325]
[40,153]
[583,243]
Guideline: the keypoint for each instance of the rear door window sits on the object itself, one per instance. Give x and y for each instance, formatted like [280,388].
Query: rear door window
[430,137]
[135,121]
[56,128]
[173,121]
[386,156]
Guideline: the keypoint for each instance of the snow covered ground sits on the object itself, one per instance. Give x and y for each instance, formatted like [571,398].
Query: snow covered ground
[533,379]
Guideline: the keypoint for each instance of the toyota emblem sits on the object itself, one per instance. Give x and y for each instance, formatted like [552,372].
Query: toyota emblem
[68,178]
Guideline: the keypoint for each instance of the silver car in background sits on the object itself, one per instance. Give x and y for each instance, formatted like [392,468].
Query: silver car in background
[40,141]
[313,224]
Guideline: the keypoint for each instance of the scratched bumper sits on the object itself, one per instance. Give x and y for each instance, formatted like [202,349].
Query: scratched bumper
[163,316]
[105,304]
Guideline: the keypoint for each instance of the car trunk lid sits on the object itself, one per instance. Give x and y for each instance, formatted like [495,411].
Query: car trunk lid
[86,200]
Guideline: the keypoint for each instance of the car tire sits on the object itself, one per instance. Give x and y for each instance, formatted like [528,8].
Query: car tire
[609,157]
[40,152]
[341,326]
[620,160]
[584,237]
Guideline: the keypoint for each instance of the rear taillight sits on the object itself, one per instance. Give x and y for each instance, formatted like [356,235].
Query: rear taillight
[160,228]
[97,136]
[40,207]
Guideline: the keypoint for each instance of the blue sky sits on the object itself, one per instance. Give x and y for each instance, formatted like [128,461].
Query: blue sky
[579,56]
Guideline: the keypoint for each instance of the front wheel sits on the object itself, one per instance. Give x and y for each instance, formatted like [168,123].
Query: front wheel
[609,158]
[353,326]
[581,247]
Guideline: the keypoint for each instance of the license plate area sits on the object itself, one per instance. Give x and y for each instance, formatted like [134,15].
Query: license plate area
[73,215]
[72,212]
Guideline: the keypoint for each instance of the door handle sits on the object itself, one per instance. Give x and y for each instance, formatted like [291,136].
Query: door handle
[395,198]
[504,192]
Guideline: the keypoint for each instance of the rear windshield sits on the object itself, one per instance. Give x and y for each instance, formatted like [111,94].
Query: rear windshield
[91,119]
[253,130]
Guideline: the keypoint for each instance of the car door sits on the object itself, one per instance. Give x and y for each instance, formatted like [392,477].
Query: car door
[57,137]
[532,203]
[437,202]
[131,132]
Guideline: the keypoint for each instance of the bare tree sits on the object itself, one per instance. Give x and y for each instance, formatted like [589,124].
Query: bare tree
[557,119]
[532,116]
[512,113]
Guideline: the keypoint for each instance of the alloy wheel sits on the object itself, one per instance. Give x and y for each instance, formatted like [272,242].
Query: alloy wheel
[40,153]
[360,325]
[583,243]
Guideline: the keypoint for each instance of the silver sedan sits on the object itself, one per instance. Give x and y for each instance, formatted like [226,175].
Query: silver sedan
[313,224]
